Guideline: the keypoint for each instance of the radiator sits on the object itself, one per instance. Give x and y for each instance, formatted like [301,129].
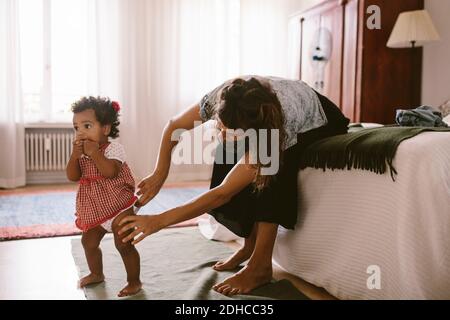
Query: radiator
[47,151]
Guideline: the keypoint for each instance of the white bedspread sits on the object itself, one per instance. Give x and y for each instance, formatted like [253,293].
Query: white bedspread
[350,220]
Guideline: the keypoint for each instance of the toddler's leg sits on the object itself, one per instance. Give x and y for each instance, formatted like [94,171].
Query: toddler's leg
[91,244]
[130,257]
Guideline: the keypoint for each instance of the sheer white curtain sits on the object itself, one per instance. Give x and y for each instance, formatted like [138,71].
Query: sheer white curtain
[67,51]
[264,37]
[104,47]
[157,57]
[12,159]
[172,52]
[84,49]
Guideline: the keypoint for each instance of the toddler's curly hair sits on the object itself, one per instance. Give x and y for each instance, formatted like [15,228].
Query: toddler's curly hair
[104,111]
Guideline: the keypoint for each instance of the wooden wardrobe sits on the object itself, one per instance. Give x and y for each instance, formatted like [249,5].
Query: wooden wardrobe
[364,77]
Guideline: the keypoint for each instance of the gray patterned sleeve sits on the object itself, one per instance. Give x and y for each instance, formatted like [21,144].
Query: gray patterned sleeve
[205,108]
[210,102]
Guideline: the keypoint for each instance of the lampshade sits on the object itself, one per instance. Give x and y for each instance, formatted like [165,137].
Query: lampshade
[412,26]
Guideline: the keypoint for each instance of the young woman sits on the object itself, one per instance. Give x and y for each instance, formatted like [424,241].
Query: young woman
[250,204]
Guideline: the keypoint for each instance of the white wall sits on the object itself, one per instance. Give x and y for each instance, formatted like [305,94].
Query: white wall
[436,63]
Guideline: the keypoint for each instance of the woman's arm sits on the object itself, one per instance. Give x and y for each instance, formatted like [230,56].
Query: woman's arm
[150,186]
[237,179]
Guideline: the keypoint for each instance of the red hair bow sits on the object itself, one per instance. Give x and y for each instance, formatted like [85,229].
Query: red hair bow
[116,106]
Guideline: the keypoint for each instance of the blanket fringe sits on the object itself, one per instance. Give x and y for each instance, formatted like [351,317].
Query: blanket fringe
[370,149]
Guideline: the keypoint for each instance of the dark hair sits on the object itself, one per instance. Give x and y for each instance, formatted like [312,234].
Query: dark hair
[104,112]
[248,104]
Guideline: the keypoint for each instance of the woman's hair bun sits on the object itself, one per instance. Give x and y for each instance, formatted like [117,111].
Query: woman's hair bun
[235,91]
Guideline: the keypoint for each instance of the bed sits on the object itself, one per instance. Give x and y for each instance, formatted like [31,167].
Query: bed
[360,235]
[353,222]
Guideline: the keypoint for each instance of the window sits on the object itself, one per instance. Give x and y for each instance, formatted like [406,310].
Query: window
[55,57]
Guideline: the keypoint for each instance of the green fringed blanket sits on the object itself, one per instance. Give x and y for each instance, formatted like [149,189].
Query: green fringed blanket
[368,149]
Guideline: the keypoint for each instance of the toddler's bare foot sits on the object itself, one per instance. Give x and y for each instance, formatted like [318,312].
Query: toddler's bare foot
[132,288]
[91,279]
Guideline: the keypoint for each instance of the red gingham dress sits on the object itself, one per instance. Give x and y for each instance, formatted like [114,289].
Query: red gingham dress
[100,199]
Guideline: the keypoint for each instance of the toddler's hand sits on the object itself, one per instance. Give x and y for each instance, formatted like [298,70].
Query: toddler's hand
[77,149]
[90,147]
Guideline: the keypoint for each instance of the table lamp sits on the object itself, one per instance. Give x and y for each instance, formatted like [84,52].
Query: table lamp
[413,29]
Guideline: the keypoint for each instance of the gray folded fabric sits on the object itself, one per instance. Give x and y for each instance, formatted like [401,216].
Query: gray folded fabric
[423,116]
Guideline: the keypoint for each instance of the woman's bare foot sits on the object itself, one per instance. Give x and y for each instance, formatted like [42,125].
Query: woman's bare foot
[91,279]
[235,260]
[241,255]
[131,289]
[247,279]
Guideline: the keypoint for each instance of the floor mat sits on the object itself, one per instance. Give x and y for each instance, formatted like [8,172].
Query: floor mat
[175,264]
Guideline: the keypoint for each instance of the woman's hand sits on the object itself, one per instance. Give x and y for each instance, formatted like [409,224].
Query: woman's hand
[149,187]
[140,225]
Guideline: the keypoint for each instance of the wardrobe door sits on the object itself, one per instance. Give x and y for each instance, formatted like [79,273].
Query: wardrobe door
[350,77]
[321,48]
[309,25]
[332,27]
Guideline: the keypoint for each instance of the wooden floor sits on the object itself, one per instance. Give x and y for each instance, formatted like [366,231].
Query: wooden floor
[38,269]
[44,268]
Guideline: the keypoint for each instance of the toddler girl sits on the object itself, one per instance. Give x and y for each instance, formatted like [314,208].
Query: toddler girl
[106,187]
